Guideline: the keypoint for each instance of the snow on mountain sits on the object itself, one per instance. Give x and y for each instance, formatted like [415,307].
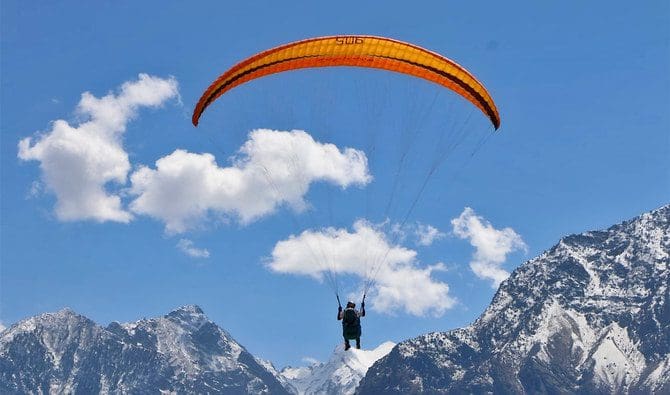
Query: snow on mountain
[182,352]
[590,315]
[340,375]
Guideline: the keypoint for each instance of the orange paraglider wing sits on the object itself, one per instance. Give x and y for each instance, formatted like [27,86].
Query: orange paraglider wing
[358,51]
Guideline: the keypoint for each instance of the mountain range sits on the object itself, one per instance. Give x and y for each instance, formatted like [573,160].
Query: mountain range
[182,352]
[590,315]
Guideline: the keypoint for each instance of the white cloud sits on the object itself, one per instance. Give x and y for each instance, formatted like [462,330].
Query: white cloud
[78,161]
[272,168]
[401,284]
[491,245]
[422,235]
[2,326]
[427,234]
[187,247]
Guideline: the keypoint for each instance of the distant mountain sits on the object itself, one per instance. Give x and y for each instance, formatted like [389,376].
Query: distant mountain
[182,352]
[340,375]
[591,315]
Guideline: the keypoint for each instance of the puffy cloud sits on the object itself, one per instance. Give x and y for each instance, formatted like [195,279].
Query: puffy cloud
[491,245]
[427,234]
[272,168]
[78,161]
[187,247]
[401,284]
[423,235]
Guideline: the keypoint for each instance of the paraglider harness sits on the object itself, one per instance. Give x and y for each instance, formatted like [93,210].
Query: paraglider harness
[351,321]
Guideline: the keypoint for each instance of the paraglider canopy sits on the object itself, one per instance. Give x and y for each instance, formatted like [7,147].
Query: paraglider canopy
[359,51]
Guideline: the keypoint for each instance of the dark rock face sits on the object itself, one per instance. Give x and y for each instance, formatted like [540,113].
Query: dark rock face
[591,315]
[181,352]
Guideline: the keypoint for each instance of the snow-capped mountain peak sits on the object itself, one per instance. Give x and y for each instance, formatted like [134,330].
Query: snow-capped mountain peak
[339,375]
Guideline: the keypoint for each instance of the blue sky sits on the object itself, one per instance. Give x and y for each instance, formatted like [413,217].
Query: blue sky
[584,96]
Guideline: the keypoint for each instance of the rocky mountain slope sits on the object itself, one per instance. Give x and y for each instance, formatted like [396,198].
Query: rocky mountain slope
[591,315]
[182,352]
